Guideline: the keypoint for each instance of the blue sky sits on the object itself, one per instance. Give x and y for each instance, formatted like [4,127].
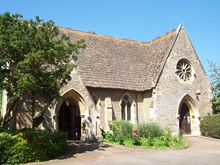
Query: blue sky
[141,20]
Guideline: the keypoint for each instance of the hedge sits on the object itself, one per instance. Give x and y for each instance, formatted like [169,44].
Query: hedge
[210,126]
[30,146]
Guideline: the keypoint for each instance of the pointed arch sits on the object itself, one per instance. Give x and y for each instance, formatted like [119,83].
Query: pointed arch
[74,97]
[188,116]
[127,95]
[69,110]
[189,101]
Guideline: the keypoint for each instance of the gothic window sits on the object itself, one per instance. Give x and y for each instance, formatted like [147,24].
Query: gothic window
[126,108]
[184,70]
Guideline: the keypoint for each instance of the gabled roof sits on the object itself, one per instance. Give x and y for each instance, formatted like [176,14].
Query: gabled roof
[119,63]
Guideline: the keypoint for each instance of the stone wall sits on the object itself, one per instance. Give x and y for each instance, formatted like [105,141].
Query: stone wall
[160,104]
[140,104]
[76,90]
[170,89]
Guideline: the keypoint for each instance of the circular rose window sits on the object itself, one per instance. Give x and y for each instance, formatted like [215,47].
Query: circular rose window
[184,70]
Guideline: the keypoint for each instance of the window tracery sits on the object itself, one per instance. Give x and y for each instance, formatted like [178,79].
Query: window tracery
[184,70]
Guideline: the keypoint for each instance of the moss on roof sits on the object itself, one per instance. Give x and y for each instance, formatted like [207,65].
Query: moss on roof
[109,62]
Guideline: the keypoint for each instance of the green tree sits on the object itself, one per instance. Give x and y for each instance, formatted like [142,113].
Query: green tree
[215,81]
[0,106]
[0,100]
[35,58]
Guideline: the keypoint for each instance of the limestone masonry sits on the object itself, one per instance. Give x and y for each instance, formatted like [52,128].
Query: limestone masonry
[161,81]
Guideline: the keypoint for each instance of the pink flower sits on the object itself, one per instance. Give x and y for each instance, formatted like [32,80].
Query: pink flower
[136,131]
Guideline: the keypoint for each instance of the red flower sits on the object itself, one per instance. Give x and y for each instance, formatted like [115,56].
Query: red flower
[135,131]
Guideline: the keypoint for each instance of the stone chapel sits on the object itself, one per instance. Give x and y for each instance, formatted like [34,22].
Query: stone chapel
[161,81]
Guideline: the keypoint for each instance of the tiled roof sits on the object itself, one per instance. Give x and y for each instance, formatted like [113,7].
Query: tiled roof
[119,63]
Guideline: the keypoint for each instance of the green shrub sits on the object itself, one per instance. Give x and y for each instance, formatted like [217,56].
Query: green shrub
[120,130]
[210,126]
[136,141]
[122,127]
[0,99]
[118,137]
[128,142]
[7,141]
[107,135]
[30,146]
[159,142]
[149,135]
[164,141]
[150,130]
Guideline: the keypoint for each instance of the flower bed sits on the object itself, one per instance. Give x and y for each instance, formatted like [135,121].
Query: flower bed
[148,135]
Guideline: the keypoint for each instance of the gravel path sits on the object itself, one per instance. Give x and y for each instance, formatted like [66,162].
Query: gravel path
[203,151]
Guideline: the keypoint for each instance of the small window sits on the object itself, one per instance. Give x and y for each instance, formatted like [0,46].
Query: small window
[126,108]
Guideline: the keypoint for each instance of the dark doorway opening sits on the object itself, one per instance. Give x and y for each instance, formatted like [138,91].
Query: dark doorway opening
[184,120]
[70,120]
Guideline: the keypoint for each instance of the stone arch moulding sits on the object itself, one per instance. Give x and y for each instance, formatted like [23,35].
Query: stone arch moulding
[129,96]
[194,116]
[74,97]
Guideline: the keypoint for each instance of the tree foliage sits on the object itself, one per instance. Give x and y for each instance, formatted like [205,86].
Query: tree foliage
[0,100]
[35,58]
[215,81]
[210,126]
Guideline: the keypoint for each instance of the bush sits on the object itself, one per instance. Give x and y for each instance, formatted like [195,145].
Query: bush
[149,135]
[7,141]
[210,126]
[120,130]
[0,98]
[30,146]
[122,127]
[164,141]
[107,135]
[136,141]
[150,130]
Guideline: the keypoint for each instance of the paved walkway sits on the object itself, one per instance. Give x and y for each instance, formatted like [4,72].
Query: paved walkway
[203,151]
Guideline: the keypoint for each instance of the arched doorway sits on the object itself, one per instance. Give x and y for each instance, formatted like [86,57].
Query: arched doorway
[188,115]
[184,119]
[70,120]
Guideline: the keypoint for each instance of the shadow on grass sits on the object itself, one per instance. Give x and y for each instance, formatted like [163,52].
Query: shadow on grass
[79,147]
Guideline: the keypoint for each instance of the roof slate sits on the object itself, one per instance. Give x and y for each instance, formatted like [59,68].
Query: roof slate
[109,62]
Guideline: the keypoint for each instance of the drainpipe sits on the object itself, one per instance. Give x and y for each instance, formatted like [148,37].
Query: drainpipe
[136,108]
